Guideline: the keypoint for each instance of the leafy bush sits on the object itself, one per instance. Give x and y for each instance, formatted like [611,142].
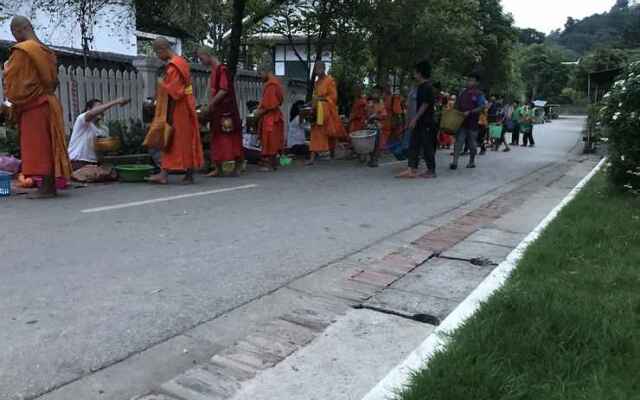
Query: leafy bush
[11,143]
[621,118]
[594,124]
[131,135]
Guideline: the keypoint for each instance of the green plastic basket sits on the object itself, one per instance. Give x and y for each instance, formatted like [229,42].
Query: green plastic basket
[134,172]
[495,131]
[285,161]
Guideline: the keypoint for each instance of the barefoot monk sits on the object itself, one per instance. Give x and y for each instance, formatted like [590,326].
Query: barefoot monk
[327,124]
[184,151]
[30,82]
[271,125]
[226,125]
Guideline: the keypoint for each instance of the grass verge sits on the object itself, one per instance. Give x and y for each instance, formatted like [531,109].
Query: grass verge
[567,323]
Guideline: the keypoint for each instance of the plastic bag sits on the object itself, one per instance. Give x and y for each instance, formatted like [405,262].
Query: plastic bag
[10,164]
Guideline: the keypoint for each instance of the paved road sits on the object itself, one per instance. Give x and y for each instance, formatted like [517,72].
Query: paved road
[81,290]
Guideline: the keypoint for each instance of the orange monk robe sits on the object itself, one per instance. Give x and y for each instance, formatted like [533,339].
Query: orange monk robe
[185,149]
[330,126]
[271,126]
[387,122]
[397,116]
[380,110]
[30,82]
[358,116]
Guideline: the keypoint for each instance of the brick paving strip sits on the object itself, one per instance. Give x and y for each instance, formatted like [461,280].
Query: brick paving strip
[435,262]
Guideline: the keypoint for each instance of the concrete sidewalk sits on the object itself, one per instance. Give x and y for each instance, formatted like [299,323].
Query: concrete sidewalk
[343,327]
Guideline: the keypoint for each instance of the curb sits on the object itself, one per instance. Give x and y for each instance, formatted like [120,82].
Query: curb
[437,341]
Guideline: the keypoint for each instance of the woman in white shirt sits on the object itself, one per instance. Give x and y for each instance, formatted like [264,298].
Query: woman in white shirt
[85,131]
[296,138]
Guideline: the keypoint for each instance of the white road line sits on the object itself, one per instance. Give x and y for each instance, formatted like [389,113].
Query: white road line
[166,199]
[399,377]
[391,163]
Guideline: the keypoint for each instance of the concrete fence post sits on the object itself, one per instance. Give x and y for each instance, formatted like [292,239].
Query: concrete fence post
[149,71]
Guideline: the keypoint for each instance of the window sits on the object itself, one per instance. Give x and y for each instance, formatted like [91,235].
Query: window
[296,70]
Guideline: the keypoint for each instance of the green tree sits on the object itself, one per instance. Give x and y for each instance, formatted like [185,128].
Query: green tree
[543,72]
[497,37]
[599,60]
[400,33]
[531,36]
[315,23]
[84,14]
[618,28]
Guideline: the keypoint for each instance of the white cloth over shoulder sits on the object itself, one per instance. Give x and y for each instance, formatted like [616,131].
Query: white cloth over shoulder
[296,134]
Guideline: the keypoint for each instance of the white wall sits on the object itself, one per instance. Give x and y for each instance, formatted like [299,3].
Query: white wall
[114,31]
[286,53]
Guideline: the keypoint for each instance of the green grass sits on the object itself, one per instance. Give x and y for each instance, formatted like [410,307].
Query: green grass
[567,323]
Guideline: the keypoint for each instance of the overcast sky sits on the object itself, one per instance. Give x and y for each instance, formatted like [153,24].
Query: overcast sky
[547,15]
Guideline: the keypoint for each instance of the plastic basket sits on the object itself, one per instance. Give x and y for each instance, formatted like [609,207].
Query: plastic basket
[285,161]
[451,120]
[5,184]
[495,131]
[363,142]
[134,173]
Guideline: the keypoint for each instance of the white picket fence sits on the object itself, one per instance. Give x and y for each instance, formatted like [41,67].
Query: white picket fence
[79,85]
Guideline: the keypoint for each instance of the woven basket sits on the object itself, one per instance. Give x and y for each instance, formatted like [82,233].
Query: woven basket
[451,120]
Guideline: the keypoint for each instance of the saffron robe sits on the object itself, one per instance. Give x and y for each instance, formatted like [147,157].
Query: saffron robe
[327,124]
[185,150]
[30,82]
[271,125]
[358,116]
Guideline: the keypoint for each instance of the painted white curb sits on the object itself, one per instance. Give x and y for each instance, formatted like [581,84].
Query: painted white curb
[418,359]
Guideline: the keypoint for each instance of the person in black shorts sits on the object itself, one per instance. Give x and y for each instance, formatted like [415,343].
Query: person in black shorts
[423,135]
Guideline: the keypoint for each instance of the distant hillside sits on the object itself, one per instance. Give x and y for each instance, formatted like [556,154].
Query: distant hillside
[619,28]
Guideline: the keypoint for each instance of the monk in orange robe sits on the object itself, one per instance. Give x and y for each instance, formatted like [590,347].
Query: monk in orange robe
[358,116]
[271,125]
[327,124]
[184,153]
[30,82]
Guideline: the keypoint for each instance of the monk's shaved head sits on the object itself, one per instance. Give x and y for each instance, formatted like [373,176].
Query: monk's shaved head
[19,22]
[162,48]
[162,42]
[22,29]
[207,56]
[205,50]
